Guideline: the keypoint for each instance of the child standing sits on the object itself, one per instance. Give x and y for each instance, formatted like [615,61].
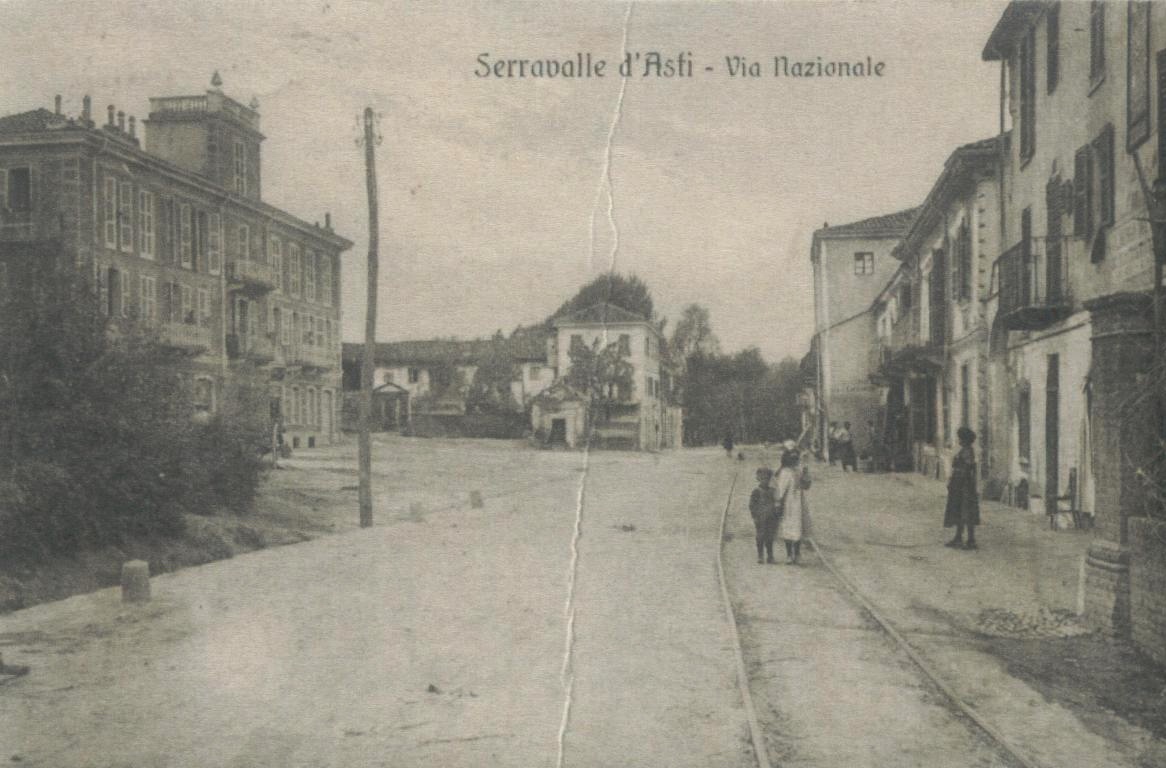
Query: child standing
[792,482]
[763,508]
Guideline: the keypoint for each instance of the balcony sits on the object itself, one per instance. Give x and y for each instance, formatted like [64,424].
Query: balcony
[252,278]
[1034,286]
[186,337]
[312,357]
[258,349]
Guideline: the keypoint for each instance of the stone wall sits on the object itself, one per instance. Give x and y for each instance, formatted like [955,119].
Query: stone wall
[1147,586]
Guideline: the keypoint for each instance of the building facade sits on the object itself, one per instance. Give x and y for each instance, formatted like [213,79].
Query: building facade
[1081,85]
[851,264]
[176,238]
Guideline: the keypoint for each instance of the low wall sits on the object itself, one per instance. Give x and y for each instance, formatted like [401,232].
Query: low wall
[1148,586]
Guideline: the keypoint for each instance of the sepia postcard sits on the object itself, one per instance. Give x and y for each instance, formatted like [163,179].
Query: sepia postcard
[582,384]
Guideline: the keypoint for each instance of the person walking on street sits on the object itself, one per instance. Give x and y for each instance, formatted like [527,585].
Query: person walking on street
[793,480]
[763,508]
[727,444]
[963,502]
[832,444]
[846,448]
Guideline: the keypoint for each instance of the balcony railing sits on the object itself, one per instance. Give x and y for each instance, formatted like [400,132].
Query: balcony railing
[259,349]
[1034,285]
[186,336]
[313,356]
[250,276]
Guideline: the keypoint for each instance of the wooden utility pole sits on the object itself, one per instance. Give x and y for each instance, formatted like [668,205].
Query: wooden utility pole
[367,360]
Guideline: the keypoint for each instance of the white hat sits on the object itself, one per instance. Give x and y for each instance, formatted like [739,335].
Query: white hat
[789,445]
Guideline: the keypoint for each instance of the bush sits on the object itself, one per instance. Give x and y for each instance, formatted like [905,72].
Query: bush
[97,436]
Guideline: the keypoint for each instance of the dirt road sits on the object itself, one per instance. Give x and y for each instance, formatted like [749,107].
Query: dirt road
[436,638]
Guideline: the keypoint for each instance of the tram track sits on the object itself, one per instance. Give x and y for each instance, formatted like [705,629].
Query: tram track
[963,710]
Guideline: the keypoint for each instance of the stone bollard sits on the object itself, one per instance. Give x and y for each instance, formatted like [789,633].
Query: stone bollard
[476,500]
[135,582]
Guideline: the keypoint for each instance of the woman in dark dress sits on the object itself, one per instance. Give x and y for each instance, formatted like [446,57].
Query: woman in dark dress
[963,502]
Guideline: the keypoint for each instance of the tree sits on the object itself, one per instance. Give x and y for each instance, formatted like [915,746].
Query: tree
[603,373]
[630,293]
[490,390]
[694,333]
[98,439]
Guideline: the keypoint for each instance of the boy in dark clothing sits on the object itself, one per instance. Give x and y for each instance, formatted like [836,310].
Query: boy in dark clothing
[763,508]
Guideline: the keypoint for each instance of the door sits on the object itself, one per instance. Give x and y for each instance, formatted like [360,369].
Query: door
[558,430]
[1052,433]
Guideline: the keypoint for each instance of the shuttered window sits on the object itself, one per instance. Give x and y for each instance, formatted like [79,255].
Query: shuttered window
[1082,193]
[109,211]
[1053,46]
[125,215]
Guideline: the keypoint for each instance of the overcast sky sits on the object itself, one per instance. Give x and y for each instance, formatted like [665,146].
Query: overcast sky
[493,198]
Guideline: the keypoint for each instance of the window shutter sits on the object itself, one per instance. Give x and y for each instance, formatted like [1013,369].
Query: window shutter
[1106,186]
[1082,225]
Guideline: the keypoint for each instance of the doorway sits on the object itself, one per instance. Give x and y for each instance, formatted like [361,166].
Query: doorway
[1052,433]
[558,431]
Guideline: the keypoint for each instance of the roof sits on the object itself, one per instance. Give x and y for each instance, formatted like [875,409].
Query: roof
[960,166]
[457,352]
[32,121]
[1017,17]
[559,392]
[126,147]
[887,225]
[603,313]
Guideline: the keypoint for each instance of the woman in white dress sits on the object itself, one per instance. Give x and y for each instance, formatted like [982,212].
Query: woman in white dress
[793,480]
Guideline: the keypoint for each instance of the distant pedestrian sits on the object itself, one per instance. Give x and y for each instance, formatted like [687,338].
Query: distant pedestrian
[832,442]
[793,480]
[846,454]
[763,508]
[963,502]
[727,444]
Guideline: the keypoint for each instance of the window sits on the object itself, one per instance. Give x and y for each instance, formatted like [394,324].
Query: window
[188,311]
[294,267]
[325,279]
[169,248]
[275,258]
[1052,46]
[214,243]
[414,375]
[963,247]
[1023,425]
[1096,41]
[321,337]
[240,167]
[148,298]
[310,275]
[864,263]
[301,411]
[185,249]
[536,372]
[243,242]
[576,340]
[125,217]
[1028,95]
[125,294]
[18,190]
[273,322]
[146,240]
[4,278]
[387,377]
[1138,75]
[1082,193]
[110,212]
[965,396]
[297,405]
[204,307]
[1093,191]
[285,330]
[204,394]
[625,344]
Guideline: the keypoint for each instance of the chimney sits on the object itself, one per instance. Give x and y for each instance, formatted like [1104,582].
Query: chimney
[328,221]
[110,108]
[57,101]
[86,104]
[121,121]
[133,127]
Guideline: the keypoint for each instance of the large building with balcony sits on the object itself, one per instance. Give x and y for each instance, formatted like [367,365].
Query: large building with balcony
[173,232]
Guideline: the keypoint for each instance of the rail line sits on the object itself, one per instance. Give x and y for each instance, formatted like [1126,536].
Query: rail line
[756,733]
